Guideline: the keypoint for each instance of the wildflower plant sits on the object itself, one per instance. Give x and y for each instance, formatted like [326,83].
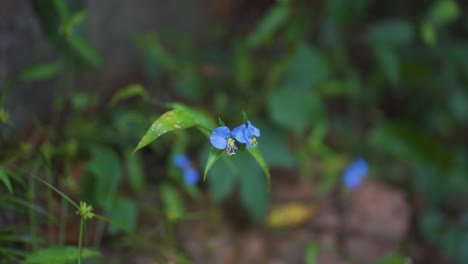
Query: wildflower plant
[224,141]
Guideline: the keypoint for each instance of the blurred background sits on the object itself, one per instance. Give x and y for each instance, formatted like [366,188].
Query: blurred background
[326,81]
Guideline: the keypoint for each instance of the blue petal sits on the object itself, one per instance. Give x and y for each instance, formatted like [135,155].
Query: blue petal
[191,176]
[354,173]
[252,131]
[181,161]
[219,137]
[239,134]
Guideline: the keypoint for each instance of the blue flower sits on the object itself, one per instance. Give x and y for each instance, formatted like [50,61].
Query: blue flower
[221,139]
[190,174]
[354,173]
[181,161]
[246,134]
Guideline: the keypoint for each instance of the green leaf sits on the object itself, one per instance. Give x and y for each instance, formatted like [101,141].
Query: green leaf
[443,12]
[174,207]
[275,17]
[222,180]
[135,174]
[274,145]
[179,118]
[85,50]
[306,68]
[40,72]
[151,46]
[244,70]
[127,92]
[311,253]
[214,155]
[388,61]
[105,166]
[428,33]
[255,152]
[59,255]
[253,194]
[124,214]
[393,32]
[411,144]
[294,109]
[6,180]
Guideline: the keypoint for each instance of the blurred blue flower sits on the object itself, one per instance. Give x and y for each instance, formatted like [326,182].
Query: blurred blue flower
[190,174]
[246,134]
[353,174]
[221,139]
[181,161]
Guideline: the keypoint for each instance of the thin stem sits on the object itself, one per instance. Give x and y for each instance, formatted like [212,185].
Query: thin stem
[80,242]
[32,214]
[63,220]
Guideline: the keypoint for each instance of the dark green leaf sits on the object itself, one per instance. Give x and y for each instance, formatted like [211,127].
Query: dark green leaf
[255,152]
[294,109]
[274,146]
[6,180]
[222,179]
[214,155]
[269,24]
[105,166]
[305,69]
[388,61]
[86,51]
[411,144]
[254,194]
[135,174]
[124,214]
[392,32]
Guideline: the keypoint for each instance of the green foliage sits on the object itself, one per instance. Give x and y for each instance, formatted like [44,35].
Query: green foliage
[59,255]
[269,24]
[6,180]
[328,80]
[105,167]
[179,118]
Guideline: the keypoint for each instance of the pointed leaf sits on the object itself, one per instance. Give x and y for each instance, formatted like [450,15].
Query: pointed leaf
[212,158]
[259,158]
[85,50]
[127,92]
[269,24]
[179,118]
[40,72]
[6,181]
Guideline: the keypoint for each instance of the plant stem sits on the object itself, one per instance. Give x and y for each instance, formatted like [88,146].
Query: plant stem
[80,242]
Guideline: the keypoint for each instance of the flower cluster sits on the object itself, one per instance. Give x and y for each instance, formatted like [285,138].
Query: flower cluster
[223,138]
[85,211]
[353,174]
[191,175]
